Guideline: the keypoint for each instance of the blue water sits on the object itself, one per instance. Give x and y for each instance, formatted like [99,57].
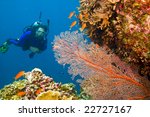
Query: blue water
[14,16]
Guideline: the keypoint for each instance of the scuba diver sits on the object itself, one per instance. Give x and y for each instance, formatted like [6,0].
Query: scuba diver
[34,38]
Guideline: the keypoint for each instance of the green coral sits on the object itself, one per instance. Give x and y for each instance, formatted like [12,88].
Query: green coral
[9,92]
[21,84]
[67,86]
[84,96]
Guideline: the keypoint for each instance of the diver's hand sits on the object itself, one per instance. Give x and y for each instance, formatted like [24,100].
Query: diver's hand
[34,49]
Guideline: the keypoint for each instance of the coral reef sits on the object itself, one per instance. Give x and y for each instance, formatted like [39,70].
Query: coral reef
[96,14]
[49,95]
[133,33]
[10,91]
[106,76]
[124,25]
[38,86]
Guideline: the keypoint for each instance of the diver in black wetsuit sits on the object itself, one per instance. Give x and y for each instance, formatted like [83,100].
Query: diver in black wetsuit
[34,39]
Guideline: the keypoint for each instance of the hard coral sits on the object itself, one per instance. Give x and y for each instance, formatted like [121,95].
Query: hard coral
[38,80]
[55,95]
[49,95]
[9,92]
[37,84]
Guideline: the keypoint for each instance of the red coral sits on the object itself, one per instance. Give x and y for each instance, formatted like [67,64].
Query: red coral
[92,62]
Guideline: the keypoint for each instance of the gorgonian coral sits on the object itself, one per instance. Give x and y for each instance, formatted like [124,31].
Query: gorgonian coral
[102,70]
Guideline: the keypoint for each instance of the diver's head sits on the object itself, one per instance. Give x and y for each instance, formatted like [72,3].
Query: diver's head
[41,32]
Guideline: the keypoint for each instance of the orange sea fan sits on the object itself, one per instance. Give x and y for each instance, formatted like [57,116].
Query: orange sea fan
[92,62]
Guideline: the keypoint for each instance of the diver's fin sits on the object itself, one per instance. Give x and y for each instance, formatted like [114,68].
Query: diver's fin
[4,48]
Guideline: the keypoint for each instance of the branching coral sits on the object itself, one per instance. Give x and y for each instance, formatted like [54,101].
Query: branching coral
[92,62]
[38,86]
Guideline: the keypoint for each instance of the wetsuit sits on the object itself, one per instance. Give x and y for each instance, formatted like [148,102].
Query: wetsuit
[27,40]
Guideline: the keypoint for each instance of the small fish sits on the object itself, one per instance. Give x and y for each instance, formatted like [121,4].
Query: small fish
[86,15]
[71,14]
[55,47]
[80,16]
[38,91]
[73,24]
[20,74]
[21,93]
[83,27]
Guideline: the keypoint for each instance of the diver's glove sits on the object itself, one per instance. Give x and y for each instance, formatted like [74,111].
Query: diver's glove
[4,48]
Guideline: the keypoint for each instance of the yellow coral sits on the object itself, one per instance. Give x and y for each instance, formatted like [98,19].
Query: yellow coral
[64,97]
[49,95]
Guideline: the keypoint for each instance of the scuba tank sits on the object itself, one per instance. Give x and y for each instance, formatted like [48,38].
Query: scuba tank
[35,24]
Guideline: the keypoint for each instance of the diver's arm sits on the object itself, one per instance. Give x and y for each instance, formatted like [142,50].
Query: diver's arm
[24,38]
[19,41]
